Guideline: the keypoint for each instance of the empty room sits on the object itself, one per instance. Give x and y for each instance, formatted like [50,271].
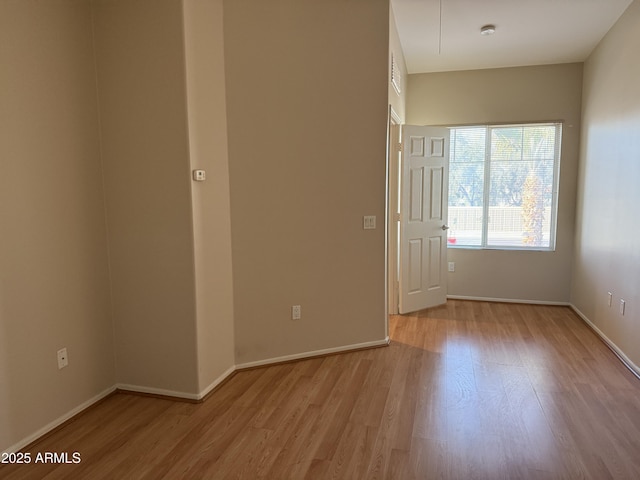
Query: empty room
[319,239]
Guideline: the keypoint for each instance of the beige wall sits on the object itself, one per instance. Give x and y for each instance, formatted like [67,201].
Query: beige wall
[111,104]
[106,107]
[307,112]
[608,232]
[54,279]
[523,94]
[141,77]
[211,211]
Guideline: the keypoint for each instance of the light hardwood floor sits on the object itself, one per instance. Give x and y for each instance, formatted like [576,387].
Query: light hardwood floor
[469,390]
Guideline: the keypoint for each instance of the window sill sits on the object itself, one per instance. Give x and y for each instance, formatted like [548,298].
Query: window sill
[501,248]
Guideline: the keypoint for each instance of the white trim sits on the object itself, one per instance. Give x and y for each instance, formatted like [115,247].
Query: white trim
[315,353]
[509,300]
[394,116]
[614,348]
[258,363]
[125,387]
[59,421]
[217,381]
[391,251]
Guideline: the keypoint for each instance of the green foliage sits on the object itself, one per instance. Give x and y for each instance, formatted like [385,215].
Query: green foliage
[515,164]
[532,210]
[515,152]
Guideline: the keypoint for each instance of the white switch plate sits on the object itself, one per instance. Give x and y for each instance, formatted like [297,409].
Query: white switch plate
[622,305]
[369,222]
[63,358]
[609,298]
[452,266]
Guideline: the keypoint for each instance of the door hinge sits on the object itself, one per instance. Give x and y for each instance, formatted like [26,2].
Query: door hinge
[400,147]
[397,216]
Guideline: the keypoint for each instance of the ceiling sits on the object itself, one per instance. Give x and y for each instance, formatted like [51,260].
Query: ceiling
[528,32]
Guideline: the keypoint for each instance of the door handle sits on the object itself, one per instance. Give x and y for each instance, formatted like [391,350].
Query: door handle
[445,227]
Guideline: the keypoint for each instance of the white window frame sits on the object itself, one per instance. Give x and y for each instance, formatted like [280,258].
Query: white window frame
[487,184]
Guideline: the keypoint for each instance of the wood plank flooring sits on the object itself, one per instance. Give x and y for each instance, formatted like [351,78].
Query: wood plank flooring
[470,390]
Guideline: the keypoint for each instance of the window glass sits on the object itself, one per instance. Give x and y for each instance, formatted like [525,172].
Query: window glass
[466,185]
[502,186]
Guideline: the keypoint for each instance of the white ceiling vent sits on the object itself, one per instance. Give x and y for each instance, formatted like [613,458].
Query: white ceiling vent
[396,79]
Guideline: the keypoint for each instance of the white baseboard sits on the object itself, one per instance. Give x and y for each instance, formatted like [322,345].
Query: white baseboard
[619,353]
[315,353]
[185,395]
[217,382]
[509,300]
[126,387]
[260,363]
[59,421]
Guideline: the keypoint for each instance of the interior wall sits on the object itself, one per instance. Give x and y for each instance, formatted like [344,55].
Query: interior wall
[307,117]
[397,99]
[142,92]
[607,257]
[54,278]
[204,49]
[523,94]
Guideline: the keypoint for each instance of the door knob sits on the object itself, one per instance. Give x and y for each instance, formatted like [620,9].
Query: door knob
[445,227]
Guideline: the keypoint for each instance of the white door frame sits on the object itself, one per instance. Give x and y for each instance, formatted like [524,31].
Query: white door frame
[393,178]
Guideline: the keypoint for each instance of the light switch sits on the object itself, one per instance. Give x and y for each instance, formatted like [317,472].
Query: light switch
[369,222]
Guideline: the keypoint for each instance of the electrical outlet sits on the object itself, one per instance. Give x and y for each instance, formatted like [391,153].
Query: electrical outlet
[63,358]
[369,222]
[296,312]
[452,266]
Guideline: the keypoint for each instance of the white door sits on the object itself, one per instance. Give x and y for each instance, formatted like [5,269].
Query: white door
[423,215]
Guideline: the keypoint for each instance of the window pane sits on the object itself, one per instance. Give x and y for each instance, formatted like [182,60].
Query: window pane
[506,143]
[521,187]
[517,168]
[539,142]
[466,186]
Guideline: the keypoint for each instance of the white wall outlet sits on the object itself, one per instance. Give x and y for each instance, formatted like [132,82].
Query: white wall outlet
[622,305]
[609,298]
[296,312]
[369,222]
[452,266]
[63,358]
[199,175]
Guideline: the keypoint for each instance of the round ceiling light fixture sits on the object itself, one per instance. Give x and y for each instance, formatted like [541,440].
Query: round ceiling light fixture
[488,30]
